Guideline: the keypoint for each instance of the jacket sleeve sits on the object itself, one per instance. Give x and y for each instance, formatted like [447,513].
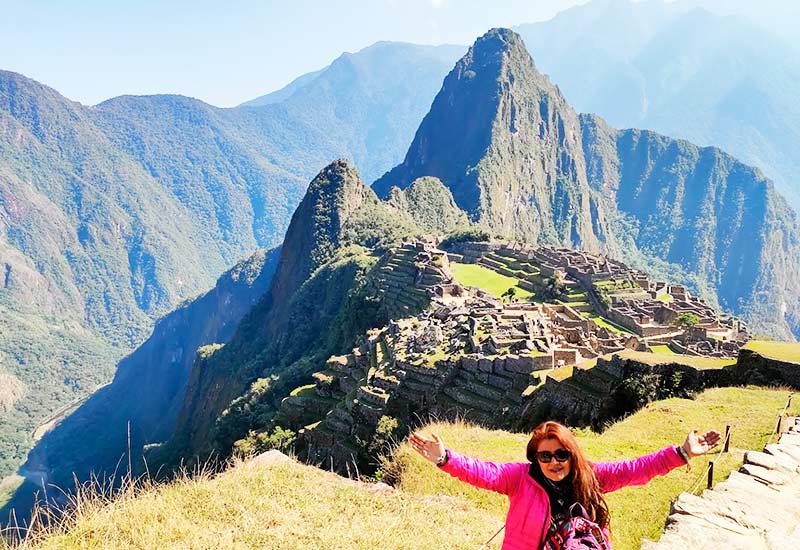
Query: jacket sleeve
[500,478]
[638,471]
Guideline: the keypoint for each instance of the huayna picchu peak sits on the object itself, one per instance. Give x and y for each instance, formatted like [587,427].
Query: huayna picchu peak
[504,140]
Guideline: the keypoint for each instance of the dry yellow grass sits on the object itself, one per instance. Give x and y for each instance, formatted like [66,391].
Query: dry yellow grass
[283,506]
[289,506]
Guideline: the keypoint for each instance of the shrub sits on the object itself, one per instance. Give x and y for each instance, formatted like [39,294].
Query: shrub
[686,320]
[257,443]
[470,234]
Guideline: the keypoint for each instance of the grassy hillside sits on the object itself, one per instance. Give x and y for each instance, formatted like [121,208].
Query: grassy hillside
[488,280]
[287,505]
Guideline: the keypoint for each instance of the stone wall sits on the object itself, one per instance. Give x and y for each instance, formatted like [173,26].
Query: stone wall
[753,368]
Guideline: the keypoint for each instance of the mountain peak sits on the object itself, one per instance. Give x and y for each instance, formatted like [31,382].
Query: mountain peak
[493,110]
[499,39]
[331,198]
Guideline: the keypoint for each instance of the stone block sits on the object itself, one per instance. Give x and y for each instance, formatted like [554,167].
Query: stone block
[500,382]
[770,477]
[469,364]
[542,362]
[485,364]
[498,365]
[523,364]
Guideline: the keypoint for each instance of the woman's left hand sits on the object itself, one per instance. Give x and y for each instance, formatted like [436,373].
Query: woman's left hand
[697,444]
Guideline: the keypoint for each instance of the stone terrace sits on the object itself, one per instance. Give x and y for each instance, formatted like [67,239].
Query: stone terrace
[407,276]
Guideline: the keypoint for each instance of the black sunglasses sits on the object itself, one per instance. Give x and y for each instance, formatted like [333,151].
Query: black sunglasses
[561,455]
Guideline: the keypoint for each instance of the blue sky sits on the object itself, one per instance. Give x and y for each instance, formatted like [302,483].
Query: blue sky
[228,52]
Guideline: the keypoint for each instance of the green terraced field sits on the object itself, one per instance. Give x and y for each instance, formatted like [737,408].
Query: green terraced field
[664,350]
[484,278]
[664,358]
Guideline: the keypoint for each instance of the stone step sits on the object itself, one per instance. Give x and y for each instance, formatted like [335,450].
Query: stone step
[480,388]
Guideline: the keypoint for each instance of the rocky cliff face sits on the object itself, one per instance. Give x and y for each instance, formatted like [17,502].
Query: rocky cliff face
[502,138]
[702,210]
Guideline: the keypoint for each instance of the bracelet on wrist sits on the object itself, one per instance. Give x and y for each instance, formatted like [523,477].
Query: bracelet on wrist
[442,460]
[683,453]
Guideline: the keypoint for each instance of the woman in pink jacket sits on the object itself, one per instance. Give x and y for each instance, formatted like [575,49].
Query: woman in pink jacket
[541,491]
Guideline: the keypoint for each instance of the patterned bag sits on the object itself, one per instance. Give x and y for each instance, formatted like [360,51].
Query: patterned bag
[577,532]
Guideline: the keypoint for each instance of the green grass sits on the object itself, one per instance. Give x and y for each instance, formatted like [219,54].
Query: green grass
[637,512]
[663,350]
[666,298]
[782,351]
[484,278]
[561,373]
[7,487]
[603,322]
[665,358]
[433,358]
[303,391]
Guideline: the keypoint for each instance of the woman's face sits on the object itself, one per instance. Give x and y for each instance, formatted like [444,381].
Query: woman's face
[553,470]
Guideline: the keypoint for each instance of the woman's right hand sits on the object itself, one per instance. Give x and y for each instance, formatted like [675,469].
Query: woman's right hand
[432,449]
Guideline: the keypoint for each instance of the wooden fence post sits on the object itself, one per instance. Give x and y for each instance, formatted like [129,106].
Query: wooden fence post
[710,474]
[727,438]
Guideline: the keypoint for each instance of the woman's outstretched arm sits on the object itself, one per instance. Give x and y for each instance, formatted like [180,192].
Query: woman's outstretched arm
[501,478]
[639,471]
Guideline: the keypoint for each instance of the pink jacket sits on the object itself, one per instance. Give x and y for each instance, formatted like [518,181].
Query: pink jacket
[529,506]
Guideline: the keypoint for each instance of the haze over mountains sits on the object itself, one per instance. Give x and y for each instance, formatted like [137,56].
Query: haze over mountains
[683,72]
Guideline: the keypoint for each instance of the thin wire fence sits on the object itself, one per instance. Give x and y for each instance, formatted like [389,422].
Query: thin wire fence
[708,470]
[779,418]
[711,464]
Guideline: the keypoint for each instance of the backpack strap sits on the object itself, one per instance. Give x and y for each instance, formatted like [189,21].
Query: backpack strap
[578,511]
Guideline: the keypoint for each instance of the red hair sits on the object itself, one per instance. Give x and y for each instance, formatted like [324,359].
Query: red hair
[585,486]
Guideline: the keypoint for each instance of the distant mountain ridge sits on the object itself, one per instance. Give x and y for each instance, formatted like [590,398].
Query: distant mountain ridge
[111,215]
[681,71]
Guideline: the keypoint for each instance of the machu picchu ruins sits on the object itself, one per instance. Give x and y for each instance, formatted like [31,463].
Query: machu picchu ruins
[561,341]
